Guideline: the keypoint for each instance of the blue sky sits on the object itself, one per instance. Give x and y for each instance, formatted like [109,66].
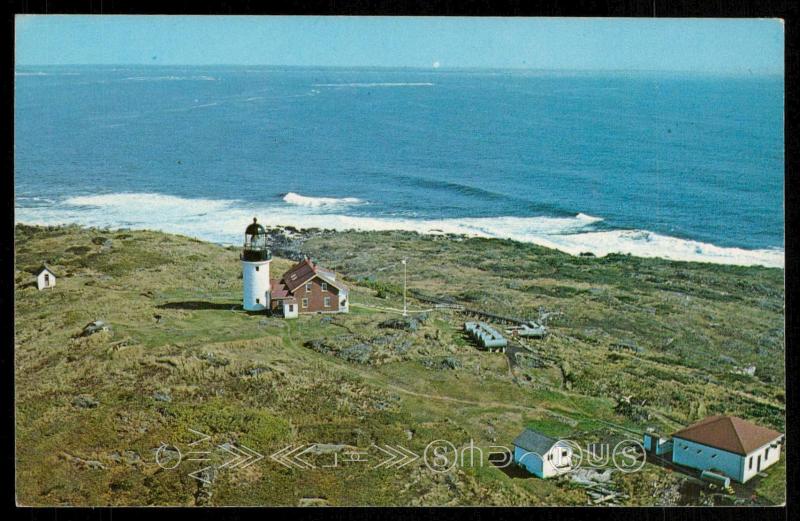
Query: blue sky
[744,45]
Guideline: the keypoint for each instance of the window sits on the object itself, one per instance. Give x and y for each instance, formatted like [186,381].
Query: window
[684,447]
[324,286]
[750,464]
[256,268]
[699,451]
[293,276]
[327,302]
[308,287]
[291,308]
[564,453]
[305,302]
[713,456]
[550,457]
[766,453]
[258,301]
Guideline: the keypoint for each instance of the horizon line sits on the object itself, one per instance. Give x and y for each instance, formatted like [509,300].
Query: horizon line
[760,71]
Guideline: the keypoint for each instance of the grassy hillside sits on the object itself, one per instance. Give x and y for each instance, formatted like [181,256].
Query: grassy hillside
[634,343]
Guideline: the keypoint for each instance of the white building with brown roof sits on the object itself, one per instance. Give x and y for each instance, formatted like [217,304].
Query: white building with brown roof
[727,445]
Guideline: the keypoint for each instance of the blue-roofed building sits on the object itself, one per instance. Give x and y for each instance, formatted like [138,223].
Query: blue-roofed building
[541,455]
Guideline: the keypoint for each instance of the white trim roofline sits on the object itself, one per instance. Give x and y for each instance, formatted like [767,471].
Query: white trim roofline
[324,278]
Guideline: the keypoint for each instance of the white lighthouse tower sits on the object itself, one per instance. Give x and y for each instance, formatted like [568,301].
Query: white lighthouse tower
[255,259]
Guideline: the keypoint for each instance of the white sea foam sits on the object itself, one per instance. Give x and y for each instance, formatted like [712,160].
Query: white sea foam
[649,244]
[377,84]
[145,203]
[34,198]
[170,78]
[319,202]
[41,73]
[223,221]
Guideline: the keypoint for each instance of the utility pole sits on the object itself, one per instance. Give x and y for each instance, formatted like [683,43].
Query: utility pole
[405,308]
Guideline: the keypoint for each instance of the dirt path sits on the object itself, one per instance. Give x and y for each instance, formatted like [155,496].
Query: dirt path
[445,398]
[440,397]
[380,380]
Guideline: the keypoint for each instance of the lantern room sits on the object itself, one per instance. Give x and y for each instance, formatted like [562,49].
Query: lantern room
[255,243]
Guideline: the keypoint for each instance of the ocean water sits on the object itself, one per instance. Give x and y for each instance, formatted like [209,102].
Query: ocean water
[681,166]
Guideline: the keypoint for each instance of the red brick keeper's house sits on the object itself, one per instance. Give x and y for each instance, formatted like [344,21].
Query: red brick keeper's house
[308,288]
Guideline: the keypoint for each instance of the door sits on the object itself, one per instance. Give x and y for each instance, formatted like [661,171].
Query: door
[46,280]
[561,457]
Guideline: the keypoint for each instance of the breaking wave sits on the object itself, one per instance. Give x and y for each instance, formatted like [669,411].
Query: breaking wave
[137,202]
[319,202]
[223,221]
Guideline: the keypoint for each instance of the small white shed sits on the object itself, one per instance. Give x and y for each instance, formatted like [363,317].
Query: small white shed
[541,455]
[45,278]
[290,308]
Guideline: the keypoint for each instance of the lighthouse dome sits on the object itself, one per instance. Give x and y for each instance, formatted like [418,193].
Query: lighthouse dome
[255,243]
[255,229]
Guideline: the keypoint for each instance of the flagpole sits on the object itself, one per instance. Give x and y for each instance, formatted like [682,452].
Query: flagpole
[405,308]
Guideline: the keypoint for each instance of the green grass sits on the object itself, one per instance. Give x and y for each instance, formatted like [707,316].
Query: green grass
[772,489]
[250,379]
